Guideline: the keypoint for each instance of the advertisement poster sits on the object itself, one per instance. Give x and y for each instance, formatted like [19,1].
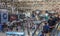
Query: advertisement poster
[13,17]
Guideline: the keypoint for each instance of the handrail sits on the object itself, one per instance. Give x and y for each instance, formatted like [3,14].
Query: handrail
[36,29]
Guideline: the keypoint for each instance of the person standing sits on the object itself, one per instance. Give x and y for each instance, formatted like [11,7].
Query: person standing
[46,28]
[51,23]
[4,27]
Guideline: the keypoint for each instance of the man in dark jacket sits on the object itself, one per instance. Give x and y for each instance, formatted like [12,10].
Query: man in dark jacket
[52,23]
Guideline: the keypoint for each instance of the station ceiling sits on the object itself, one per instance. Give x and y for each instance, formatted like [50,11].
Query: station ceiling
[31,4]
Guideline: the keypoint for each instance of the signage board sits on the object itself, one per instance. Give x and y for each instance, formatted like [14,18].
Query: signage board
[4,17]
[15,33]
[36,22]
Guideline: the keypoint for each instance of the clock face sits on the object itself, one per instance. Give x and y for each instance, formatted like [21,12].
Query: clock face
[5,16]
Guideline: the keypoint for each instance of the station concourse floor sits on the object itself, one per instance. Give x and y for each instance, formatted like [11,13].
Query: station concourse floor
[26,34]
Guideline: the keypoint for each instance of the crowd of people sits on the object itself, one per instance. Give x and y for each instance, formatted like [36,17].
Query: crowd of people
[50,24]
[17,26]
[4,27]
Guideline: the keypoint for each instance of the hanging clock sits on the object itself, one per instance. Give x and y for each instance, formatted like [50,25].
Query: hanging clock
[4,16]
